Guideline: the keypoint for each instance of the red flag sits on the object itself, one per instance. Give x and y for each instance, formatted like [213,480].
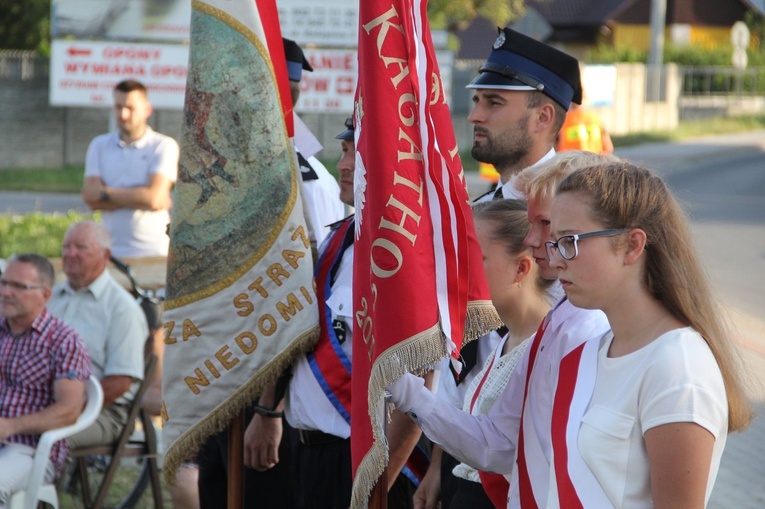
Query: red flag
[419,287]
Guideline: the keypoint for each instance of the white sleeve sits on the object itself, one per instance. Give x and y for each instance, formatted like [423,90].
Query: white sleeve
[165,160]
[322,200]
[92,166]
[684,384]
[485,442]
[127,334]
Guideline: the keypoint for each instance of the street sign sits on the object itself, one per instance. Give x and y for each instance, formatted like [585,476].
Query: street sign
[327,24]
[739,37]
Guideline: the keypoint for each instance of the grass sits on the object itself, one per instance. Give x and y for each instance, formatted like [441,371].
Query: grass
[69,179]
[36,232]
[692,129]
[46,180]
[121,485]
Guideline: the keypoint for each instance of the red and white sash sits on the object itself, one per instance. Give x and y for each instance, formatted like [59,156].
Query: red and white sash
[571,483]
[576,486]
[329,363]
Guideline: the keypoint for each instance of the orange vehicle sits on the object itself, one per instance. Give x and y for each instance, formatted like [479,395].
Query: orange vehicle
[583,130]
[488,172]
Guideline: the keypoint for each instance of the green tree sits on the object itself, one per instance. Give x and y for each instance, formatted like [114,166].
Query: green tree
[454,15]
[756,24]
[25,24]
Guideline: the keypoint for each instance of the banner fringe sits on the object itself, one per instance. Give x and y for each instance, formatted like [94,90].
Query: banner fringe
[416,355]
[481,319]
[191,441]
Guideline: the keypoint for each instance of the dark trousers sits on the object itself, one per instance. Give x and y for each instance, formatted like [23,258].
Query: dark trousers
[448,481]
[262,490]
[469,495]
[322,478]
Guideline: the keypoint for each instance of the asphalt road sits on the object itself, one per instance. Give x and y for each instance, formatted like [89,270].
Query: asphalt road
[721,182]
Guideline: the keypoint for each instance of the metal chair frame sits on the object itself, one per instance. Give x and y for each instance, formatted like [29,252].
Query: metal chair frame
[125,447]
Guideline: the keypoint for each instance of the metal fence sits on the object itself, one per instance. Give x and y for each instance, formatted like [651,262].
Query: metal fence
[722,81]
[23,65]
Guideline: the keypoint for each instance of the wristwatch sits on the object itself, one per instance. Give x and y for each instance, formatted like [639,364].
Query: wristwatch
[105,196]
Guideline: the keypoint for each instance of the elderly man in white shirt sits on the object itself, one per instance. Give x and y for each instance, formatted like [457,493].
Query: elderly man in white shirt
[109,321]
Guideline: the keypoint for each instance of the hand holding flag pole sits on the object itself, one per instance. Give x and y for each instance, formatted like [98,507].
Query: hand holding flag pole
[226,235]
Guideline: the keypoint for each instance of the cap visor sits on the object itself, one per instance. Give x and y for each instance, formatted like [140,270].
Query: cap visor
[346,135]
[497,81]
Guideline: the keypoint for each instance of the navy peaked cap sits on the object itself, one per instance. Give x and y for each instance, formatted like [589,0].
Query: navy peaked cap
[518,62]
[296,61]
[347,134]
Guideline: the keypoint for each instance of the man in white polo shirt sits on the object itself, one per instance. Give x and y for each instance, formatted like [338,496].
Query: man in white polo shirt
[129,174]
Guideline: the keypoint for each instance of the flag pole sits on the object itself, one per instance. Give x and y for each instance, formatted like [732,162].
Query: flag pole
[378,499]
[236,462]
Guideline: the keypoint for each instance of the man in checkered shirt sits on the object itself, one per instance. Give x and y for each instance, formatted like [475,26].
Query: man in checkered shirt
[43,368]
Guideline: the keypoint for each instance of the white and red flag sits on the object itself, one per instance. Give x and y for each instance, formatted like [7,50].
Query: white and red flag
[240,298]
[419,286]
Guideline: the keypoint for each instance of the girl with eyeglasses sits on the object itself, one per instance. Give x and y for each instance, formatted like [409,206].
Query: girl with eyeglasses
[514,437]
[650,427]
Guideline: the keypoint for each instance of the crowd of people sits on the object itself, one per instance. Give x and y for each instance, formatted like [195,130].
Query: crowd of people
[613,382]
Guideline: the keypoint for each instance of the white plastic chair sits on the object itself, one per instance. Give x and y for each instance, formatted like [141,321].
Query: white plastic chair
[36,491]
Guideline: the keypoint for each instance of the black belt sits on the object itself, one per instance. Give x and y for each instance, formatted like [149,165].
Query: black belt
[315,437]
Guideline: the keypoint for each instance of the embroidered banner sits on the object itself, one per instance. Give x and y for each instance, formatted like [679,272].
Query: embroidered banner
[419,286]
[240,298]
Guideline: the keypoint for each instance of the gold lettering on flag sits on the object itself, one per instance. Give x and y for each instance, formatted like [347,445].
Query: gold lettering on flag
[241,300]
[419,288]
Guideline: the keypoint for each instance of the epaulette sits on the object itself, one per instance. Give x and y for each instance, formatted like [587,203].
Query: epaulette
[306,170]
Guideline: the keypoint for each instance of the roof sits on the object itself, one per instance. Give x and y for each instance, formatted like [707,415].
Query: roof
[476,40]
[562,13]
[577,12]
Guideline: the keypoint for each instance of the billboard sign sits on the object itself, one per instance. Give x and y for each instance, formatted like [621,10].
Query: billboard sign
[328,24]
[83,73]
[98,43]
[331,86]
[126,20]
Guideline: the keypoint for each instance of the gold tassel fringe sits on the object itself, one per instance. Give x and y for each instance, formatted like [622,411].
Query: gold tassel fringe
[414,355]
[193,439]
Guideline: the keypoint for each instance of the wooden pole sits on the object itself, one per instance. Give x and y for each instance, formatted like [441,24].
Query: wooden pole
[236,462]
[378,499]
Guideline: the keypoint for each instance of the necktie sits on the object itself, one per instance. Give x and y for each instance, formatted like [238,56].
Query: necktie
[498,194]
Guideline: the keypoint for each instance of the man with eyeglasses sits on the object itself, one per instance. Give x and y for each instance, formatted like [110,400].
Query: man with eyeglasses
[43,365]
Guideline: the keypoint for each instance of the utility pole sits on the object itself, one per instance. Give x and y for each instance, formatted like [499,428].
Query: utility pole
[656,53]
